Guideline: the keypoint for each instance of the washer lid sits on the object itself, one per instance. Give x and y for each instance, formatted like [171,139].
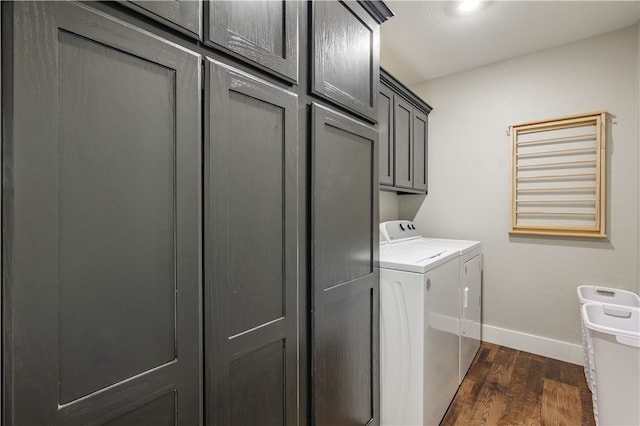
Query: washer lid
[413,259]
[461,246]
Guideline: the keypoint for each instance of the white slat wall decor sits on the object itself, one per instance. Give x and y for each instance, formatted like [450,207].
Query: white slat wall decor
[558,176]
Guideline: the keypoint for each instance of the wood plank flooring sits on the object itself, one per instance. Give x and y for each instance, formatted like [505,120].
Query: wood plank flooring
[509,387]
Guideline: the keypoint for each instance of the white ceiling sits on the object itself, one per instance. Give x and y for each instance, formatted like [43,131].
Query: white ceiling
[429,39]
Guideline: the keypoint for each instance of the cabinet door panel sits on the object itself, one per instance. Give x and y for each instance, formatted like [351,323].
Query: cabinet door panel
[345,344]
[345,54]
[159,412]
[385,128]
[104,222]
[403,142]
[419,151]
[264,31]
[183,15]
[251,254]
[100,217]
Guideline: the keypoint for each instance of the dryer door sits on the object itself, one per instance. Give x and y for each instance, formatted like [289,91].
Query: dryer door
[471,313]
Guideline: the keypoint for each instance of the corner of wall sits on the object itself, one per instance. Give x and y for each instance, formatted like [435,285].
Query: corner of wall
[389,206]
[410,205]
[638,168]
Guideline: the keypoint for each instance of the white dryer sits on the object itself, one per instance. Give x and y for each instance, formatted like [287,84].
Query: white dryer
[469,295]
[419,330]
[469,284]
[447,313]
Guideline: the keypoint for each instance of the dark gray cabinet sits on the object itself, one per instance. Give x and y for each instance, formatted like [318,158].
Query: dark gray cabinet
[345,56]
[185,241]
[403,161]
[101,223]
[419,150]
[385,127]
[344,215]
[265,32]
[251,250]
[403,143]
[183,15]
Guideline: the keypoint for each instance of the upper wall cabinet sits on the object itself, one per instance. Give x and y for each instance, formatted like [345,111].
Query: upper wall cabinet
[265,32]
[345,55]
[403,143]
[419,150]
[403,128]
[385,126]
[183,15]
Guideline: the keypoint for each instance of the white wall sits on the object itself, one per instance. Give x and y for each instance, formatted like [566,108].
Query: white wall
[389,206]
[530,282]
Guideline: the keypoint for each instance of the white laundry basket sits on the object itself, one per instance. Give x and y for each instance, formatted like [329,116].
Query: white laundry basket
[590,293]
[614,334]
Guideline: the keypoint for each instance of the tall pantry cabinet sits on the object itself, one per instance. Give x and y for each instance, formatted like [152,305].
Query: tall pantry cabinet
[189,213]
[344,216]
[101,222]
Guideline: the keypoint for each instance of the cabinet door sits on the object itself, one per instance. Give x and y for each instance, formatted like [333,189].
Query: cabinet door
[345,343]
[419,151]
[101,222]
[385,129]
[345,55]
[403,142]
[265,32]
[183,15]
[251,250]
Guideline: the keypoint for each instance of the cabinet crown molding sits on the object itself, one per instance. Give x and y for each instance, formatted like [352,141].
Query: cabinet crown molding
[404,91]
[377,9]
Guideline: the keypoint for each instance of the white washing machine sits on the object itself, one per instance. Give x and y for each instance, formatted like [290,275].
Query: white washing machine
[430,308]
[419,331]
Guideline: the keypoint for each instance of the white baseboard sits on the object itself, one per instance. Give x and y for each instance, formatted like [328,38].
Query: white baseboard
[550,348]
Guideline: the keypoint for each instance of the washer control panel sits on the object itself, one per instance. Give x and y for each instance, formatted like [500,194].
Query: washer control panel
[395,230]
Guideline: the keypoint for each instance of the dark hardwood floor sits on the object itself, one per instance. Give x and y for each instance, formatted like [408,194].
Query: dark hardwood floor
[509,387]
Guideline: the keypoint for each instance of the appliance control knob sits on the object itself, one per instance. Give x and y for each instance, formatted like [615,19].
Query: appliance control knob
[402,227]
